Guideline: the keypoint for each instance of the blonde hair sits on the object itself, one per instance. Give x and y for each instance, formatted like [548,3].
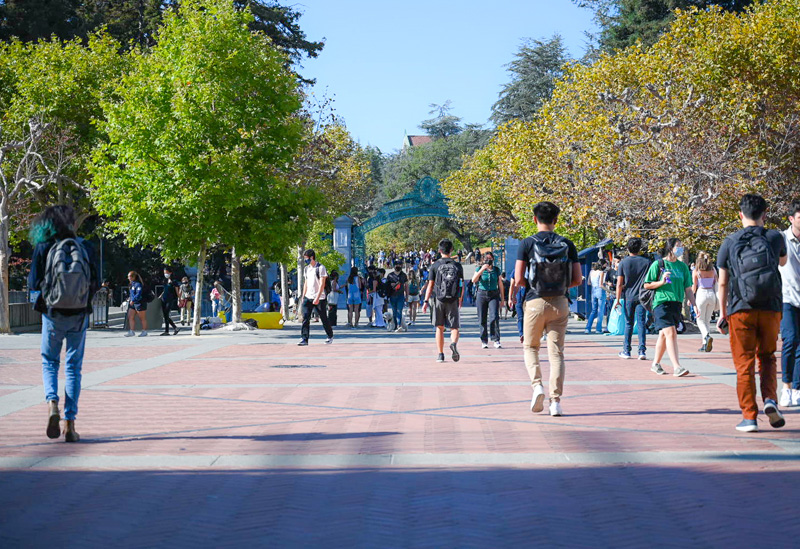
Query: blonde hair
[135,276]
[703,262]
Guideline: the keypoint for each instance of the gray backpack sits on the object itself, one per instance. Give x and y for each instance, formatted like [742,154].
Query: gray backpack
[67,276]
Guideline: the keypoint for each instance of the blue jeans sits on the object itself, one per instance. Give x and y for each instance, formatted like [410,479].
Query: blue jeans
[635,311]
[790,353]
[55,329]
[520,307]
[598,309]
[397,302]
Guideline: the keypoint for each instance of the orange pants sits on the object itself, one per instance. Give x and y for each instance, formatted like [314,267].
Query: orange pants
[754,334]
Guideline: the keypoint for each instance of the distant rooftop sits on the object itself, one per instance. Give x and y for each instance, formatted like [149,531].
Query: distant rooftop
[416,140]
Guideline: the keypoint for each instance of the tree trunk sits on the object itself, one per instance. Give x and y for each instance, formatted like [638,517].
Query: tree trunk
[198,289]
[236,286]
[263,280]
[5,252]
[285,292]
[301,266]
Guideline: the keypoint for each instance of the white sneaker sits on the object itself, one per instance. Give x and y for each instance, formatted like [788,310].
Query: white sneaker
[143,334]
[497,345]
[537,402]
[555,409]
[785,400]
[329,341]
[795,397]
[130,333]
[484,345]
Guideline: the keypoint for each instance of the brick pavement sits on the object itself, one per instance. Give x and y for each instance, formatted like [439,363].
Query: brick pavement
[233,439]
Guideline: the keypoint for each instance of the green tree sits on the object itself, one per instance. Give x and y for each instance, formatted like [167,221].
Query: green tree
[534,71]
[50,101]
[623,23]
[200,138]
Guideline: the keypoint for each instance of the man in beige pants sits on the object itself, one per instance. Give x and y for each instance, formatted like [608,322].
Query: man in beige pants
[549,262]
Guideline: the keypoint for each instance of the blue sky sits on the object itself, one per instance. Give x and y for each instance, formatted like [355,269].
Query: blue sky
[385,62]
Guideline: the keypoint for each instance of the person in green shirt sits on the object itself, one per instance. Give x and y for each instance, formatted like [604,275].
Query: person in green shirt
[489,301]
[672,283]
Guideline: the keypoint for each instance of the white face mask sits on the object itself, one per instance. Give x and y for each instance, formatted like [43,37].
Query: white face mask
[167,275]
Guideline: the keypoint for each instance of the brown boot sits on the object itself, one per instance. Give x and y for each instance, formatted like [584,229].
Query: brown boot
[53,419]
[70,434]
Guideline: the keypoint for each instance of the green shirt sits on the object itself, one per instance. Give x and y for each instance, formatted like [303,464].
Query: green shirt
[680,279]
[488,280]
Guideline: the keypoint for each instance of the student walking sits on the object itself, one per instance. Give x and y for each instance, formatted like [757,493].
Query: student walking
[333,298]
[489,300]
[355,288]
[704,286]
[790,325]
[750,299]
[186,301]
[169,301]
[516,299]
[314,296]
[64,272]
[371,285]
[630,277]
[137,305]
[597,278]
[446,285]
[379,297]
[672,282]
[398,288]
[551,263]
[413,296]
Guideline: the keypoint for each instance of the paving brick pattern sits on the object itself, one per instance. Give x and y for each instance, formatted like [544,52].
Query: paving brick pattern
[242,439]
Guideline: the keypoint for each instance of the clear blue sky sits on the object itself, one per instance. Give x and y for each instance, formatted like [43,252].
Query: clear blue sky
[385,62]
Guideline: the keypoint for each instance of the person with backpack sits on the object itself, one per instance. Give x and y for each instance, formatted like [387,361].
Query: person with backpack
[137,304]
[64,273]
[355,287]
[332,290]
[413,296]
[186,301]
[790,324]
[750,299]
[169,301]
[379,297]
[314,297]
[630,279]
[670,281]
[398,292]
[550,262]
[489,300]
[371,285]
[446,285]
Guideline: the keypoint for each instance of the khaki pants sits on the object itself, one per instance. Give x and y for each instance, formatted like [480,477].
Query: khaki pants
[551,314]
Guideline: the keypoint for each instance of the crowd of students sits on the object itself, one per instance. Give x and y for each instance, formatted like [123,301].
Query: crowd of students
[756,276]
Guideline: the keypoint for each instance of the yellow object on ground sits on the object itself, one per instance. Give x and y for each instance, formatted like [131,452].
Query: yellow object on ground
[266,321]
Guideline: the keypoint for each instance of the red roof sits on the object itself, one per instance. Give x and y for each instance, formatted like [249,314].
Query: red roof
[417,140]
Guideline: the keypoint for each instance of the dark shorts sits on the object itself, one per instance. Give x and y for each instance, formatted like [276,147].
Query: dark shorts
[139,307]
[446,313]
[668,315]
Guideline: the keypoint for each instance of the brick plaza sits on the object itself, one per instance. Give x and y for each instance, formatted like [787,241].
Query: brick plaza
[235,439]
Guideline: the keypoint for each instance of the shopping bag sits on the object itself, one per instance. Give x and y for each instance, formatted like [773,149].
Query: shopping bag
[616,322]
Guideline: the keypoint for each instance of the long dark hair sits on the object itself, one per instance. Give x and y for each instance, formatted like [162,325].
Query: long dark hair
[54,223]
[670,245]
[353,275]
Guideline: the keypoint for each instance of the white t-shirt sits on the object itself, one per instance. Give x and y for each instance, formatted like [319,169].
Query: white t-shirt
[314,276]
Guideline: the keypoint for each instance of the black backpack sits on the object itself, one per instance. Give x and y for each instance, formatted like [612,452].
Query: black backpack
[448,282]
[755,268]
[646,296]
[550,269]
[384,288]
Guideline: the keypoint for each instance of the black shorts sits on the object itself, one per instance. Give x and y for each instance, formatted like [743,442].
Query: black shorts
[668,314]
[139,307]
[446,313]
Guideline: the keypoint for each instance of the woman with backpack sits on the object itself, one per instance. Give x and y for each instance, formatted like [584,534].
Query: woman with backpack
[413,296]
[597,281]
[64,273]
[355,289]
[137,304]
[186,300]
[490,293]
[671,283]
[704,286]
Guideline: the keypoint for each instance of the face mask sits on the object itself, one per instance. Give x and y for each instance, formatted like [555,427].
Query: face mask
[679,251]
[398,269]
[307,260]
[167,275]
